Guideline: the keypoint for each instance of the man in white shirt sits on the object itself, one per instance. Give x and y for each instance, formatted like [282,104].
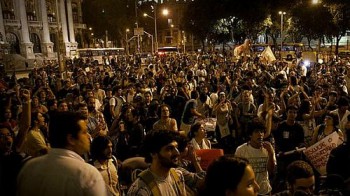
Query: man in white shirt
[63,171]
[261,156]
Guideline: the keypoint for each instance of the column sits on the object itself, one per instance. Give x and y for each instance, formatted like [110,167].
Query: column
[2,26]
[4,46]
[64,27]
[70,21]
[74,44]
[26,45]
[47,45]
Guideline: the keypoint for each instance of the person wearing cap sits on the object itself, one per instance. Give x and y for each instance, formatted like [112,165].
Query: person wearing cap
[260,155]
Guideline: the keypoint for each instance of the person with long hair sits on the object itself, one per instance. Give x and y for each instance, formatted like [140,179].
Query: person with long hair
[230,176]
[330,125]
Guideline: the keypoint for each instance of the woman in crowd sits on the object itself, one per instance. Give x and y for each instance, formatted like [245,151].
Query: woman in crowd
[222,110]
[198,137]
[330,125]
[230,176]
[37,106]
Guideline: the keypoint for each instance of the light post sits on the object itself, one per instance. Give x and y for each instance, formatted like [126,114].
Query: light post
[126,41]
[91,34]
[152,40]
[184,41]
[165,13]
[282,14]
[155,29]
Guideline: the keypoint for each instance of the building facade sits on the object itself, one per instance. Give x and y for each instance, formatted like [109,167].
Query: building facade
[40,29]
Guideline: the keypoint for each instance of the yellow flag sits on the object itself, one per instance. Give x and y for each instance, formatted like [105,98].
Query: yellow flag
[268,55]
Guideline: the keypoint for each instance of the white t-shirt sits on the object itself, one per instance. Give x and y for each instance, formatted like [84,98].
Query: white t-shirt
[258,159]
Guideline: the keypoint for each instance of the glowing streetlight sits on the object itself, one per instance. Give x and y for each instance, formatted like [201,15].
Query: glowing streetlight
[165,12]
[282,14]
[126,40]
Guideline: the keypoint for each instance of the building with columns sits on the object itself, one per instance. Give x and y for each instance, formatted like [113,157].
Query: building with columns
[40,29]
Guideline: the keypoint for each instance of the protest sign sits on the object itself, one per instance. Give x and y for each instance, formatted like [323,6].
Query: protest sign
[209,123]
[206,156]
[318,153]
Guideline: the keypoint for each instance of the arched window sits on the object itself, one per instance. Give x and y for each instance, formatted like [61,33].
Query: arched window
[78,38]
[12,39]
[53,39]
[34,38]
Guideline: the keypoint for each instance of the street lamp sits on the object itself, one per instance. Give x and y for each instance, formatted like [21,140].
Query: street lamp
[155,27]
[126,40]
[282,14]
[165,12]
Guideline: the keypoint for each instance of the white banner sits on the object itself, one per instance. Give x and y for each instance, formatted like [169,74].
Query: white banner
[209,123]
[268,55]
[318,153]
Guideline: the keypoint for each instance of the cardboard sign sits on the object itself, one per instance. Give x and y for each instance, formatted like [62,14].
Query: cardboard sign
[318,153]
[209,123]
[206,156]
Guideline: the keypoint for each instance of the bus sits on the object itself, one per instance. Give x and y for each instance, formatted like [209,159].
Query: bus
[290,50]
[167,50]
[98,54]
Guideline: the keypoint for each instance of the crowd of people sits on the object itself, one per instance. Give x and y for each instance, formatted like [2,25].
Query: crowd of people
[88,129]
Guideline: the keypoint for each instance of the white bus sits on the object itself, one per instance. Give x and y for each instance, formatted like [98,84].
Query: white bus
[167,50]
[98,54]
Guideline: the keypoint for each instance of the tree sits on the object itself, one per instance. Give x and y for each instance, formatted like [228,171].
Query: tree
[339,10]
[207,18]
[307,20]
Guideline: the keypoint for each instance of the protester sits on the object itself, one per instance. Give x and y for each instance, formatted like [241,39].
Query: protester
[198,137]
[338,162]
[161,150]
[300,178]
[36,141]
[230,176]
[62,171]
[170,79]
[165,122]
[261,156]
[11,157]
[106,163]
[330,125]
